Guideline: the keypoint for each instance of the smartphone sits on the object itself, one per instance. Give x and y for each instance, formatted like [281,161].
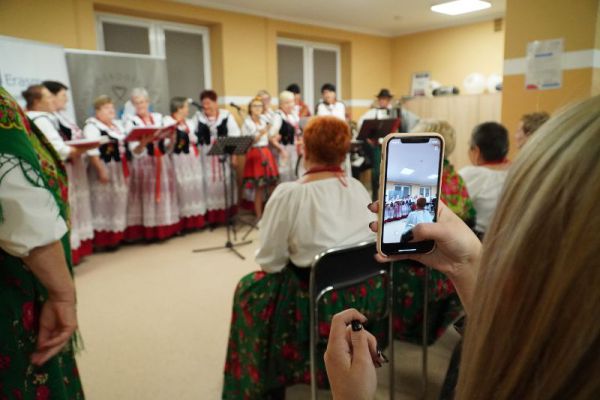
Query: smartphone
[410,183]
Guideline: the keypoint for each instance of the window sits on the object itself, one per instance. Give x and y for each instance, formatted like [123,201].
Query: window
[310,65]
[185,48]
[425,191]
[402,191]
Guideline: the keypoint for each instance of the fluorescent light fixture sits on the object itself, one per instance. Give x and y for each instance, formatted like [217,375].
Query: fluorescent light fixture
[434,176]
[458,7]
[407,171]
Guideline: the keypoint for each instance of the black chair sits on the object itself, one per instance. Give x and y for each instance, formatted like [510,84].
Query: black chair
[340,268]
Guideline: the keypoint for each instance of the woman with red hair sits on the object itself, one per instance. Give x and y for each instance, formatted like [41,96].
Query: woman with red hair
[269,340]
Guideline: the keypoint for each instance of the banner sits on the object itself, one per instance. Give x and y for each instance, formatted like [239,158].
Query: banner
[25,62]
[95,73]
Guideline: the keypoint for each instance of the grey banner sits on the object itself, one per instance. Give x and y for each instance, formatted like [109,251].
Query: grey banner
[96,73]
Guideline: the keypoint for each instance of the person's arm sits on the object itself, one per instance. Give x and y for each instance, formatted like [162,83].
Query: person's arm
[31,230]
[274,137]
[64,151]
[273,253]
[457,251]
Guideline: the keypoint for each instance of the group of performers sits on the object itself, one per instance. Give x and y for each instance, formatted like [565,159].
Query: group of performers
[148,189]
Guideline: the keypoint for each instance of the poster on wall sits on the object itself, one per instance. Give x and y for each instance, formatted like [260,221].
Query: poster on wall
[420,83]
[96,73]
[544,64]
[20,66]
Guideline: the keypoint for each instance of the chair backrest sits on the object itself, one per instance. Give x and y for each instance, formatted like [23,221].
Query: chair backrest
[345,266]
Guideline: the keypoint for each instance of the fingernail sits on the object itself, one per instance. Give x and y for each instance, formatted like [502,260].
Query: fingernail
[382,356]
[356,325]
[371,224]
[369,206]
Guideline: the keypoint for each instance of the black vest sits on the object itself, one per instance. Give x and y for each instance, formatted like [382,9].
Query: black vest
[182,142]
[65,132]
[110,151]
[287,132]
[203,131]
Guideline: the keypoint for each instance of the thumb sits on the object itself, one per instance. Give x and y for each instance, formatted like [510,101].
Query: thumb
[360,347]
[428,231]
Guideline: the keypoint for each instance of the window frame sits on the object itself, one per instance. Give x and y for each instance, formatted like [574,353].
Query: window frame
[156,37]
[308,48]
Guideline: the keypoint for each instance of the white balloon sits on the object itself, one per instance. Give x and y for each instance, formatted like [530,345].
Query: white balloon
[474,83]
[492,82]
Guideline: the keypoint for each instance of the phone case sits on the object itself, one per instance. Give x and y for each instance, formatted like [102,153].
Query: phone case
[383,174]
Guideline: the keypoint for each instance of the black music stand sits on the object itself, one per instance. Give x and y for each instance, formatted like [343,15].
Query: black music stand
[375,129]
[225,147]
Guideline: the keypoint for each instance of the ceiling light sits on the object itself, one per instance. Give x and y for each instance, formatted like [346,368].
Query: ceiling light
[458,7]
[407,171]
[434,176]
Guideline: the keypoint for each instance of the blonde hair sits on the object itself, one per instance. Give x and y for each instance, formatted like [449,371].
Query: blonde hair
[286,95]
[101,101]
[534,332]
[440,126]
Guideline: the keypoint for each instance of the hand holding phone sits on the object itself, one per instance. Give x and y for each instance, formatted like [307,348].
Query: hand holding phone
[411,170]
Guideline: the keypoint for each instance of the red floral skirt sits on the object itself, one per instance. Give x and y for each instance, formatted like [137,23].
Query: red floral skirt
[269,340]
[260,168]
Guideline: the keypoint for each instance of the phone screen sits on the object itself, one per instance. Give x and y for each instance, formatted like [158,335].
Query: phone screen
[412,175]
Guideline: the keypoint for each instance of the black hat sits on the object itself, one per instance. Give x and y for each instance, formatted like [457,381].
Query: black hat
[384,93]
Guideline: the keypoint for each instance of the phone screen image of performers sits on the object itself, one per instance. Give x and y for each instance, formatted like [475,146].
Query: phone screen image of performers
[411,185]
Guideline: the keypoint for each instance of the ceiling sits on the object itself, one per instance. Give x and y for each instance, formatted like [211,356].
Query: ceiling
[422,158]
[379,17]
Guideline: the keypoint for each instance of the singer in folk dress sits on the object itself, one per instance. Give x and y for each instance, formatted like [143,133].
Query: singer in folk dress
[300,108]
[41,108]
[189,168]
[109,175]
[153,211]
[260,170]
[286,130]
[82,229]
[212,123]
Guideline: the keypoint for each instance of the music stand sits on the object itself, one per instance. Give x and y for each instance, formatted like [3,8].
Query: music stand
[375,129]
[225,147]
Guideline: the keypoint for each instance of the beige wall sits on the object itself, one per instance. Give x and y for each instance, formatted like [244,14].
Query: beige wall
[244,51]
[448,54]
[575,21]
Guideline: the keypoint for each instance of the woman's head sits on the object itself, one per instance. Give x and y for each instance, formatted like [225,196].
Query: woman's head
[255,107]
[533,332]
[286,101]
[105,109]
[179,107]
[489,143]
[38,98]
[266,99]
[438,126]
[59,90]
[528,125]
[326,141]
[209,100]
[141,101]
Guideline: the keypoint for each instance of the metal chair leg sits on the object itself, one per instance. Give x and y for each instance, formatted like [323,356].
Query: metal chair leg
[391,372]
[313,347]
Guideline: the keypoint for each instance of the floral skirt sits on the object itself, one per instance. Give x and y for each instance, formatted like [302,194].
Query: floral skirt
[20,306]
[269,341]
[260,168]
[443,308]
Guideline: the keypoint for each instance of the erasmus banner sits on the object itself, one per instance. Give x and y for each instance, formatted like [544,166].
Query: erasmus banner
[25,62]
[94,73]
